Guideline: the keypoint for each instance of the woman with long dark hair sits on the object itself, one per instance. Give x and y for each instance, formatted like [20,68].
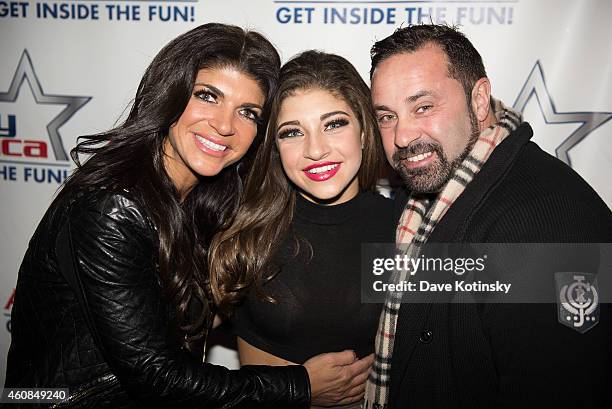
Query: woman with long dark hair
[307,210]
[113,298]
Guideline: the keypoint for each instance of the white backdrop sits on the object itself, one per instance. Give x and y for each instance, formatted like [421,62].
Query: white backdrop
[70,68]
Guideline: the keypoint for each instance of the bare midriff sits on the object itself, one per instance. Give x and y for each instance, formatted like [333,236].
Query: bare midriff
[250,355]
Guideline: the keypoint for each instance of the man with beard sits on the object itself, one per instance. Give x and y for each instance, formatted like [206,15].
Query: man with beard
[472,176]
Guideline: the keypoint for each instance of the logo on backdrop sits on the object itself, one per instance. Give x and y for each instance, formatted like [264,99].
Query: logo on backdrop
[589,121]
[384,12]
[101,10]
[24,140]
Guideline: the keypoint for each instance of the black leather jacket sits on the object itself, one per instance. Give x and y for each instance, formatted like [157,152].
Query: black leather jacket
[90,316]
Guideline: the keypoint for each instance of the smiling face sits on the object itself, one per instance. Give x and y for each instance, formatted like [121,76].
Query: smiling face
[319,141]
[217,127]
[426,125]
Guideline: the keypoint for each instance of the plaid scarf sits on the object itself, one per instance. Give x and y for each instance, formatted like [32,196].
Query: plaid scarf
[418,220]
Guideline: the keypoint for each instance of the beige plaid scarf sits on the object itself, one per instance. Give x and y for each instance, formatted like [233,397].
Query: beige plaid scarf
[418,220]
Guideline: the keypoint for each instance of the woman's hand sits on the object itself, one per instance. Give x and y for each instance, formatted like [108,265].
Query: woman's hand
[338,378]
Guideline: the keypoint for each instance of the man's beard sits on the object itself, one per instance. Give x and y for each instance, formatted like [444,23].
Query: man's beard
[432,178]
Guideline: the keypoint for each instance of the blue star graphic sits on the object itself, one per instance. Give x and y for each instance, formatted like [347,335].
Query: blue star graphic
[536,85]
[25,71]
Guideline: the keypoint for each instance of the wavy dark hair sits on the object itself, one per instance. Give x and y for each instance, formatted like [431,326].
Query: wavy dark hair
[243,252]
[131,156]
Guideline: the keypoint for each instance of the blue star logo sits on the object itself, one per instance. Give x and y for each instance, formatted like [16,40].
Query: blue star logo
[25,71]
[589,121]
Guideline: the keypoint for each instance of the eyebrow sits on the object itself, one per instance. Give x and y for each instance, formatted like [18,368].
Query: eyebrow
[222,95]
[288,123]
[327,115]
[212,88]
[410,99]
[322,117]
[420,94]
[251,105]
[382,108]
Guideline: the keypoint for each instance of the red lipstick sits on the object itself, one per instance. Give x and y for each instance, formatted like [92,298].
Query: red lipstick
[332,169]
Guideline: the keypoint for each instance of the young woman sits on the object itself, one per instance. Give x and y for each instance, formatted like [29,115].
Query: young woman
[114,299]
[309,205]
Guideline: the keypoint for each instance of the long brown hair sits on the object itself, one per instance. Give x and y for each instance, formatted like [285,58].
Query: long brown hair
[241,254]
[131,156]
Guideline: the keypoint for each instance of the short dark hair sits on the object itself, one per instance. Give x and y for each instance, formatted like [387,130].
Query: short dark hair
[464,62]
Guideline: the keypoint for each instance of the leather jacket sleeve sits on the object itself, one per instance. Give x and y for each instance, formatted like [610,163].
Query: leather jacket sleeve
[114,253]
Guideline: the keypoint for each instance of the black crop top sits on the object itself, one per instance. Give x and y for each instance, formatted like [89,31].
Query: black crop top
[319,305]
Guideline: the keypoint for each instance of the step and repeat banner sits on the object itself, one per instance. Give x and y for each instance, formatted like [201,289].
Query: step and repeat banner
[70,68]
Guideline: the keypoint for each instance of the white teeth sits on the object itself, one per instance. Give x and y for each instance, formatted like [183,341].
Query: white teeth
[211,145]
[322,169]
[419,157]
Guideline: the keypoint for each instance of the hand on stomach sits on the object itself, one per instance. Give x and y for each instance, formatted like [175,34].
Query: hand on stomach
[336,378]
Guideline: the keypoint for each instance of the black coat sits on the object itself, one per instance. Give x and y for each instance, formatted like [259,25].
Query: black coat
[451,355]
[90,315]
